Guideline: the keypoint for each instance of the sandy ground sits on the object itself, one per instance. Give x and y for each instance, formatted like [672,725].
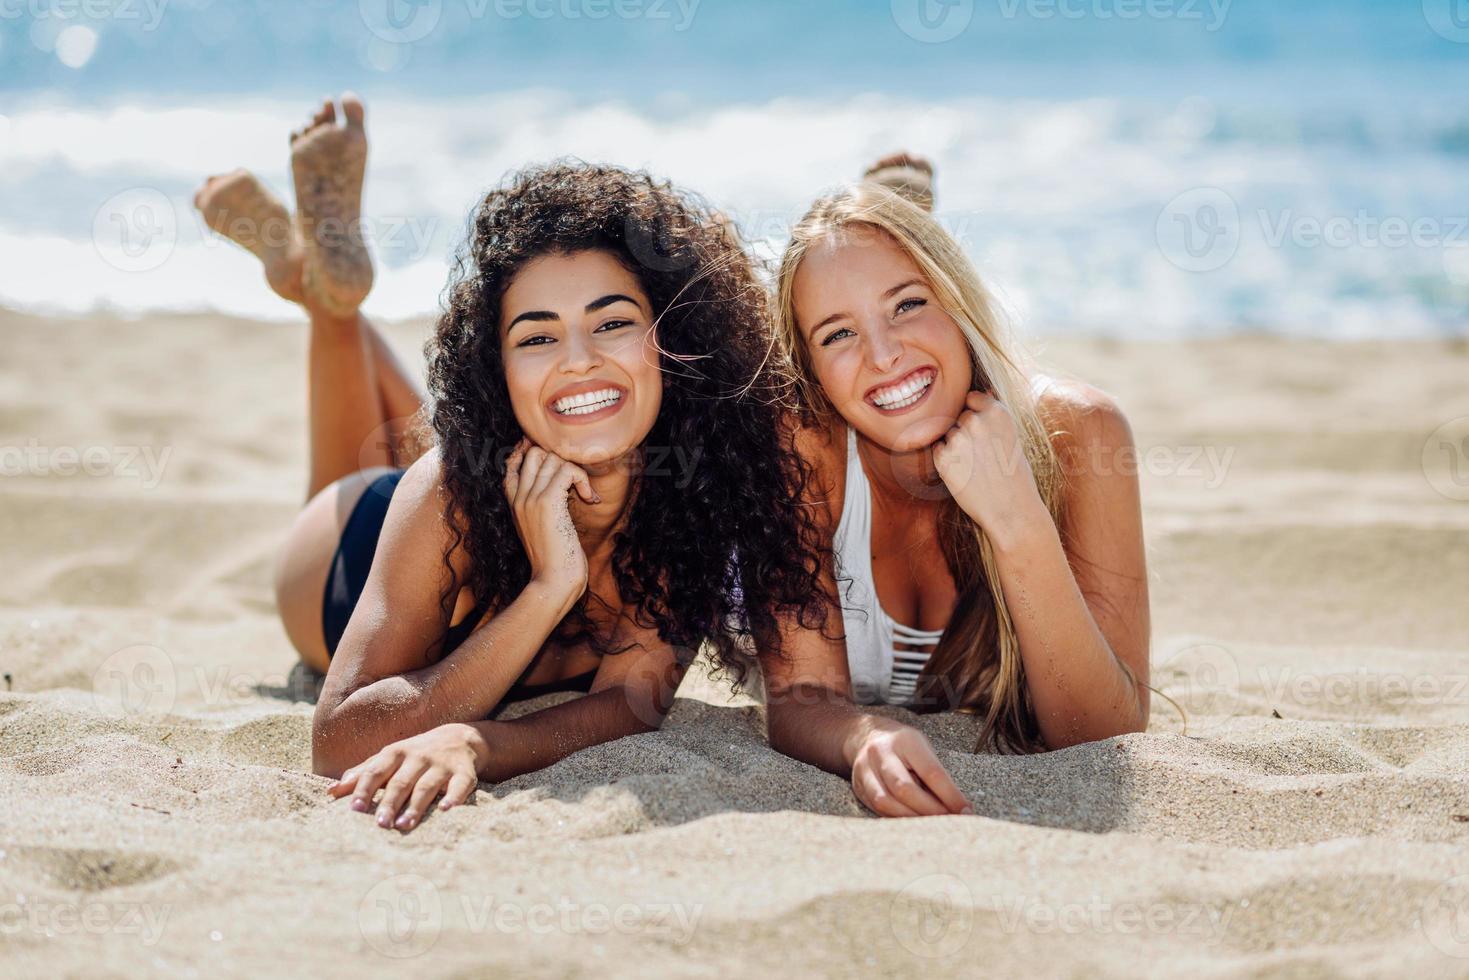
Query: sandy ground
[1309,544]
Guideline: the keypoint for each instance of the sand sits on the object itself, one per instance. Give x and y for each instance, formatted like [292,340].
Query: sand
[1309,589]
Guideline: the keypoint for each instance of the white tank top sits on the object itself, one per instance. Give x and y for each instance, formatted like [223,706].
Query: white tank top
[881,671]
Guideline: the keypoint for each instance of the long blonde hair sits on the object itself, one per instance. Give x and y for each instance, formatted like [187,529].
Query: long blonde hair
[977,665]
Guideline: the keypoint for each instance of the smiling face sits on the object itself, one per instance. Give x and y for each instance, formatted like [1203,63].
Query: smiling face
[580,360]
[892,363]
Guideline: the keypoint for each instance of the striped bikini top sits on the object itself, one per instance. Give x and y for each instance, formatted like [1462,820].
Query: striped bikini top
[884,656]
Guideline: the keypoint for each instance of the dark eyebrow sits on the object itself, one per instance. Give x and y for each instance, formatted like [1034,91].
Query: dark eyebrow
[609,299]
[887,295]
[535,316]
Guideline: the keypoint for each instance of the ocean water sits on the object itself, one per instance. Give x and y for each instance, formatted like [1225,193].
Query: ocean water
[1131,167]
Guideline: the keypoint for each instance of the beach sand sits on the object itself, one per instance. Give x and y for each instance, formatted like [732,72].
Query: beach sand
[1309,562]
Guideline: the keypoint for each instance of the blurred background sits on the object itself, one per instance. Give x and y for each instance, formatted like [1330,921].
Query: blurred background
[1139,168]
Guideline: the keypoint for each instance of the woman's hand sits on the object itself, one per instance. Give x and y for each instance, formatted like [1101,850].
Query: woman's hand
[982,462]
[413,773]
[896,774]
[538,485]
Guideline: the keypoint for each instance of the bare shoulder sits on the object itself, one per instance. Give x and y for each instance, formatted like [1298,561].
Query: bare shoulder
[418,515]
[1080,416]
[824,448]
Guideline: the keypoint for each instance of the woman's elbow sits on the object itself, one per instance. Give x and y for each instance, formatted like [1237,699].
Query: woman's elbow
[327,755]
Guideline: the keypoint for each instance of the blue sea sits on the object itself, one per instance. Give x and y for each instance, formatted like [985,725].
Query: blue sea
[1140,168]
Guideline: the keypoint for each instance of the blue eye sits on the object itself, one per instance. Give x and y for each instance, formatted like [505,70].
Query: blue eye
[836,335]
[911,304]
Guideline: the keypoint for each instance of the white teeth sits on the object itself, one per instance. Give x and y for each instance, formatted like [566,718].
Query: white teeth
[903,395]
[587,402]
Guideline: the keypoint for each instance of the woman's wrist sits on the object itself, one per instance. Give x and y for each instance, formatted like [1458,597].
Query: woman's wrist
[864,728]
[1021,528]
[561,590]
[476,738]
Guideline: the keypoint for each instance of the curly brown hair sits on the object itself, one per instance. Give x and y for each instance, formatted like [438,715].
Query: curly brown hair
[718,560]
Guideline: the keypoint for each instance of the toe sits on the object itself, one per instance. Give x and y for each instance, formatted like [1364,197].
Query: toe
[327,114]
[353,109]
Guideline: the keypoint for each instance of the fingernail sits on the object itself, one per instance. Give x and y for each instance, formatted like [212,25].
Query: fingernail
[360,805]
[405,822]
[967,811]
[382,819]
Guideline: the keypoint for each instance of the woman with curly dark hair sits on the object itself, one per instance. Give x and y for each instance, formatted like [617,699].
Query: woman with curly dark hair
[609,485]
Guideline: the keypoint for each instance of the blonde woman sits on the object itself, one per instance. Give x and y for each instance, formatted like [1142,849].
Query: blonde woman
[985,523]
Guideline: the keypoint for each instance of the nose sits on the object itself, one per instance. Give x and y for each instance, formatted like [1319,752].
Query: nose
[883,349]
[581,355]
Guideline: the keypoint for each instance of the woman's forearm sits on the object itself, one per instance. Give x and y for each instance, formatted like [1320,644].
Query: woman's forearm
[819,726]
[464,686]
[1080,689]
[506,749]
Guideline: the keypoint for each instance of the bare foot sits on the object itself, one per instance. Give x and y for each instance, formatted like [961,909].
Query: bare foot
[327,163]
[908,175]
[242,209]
